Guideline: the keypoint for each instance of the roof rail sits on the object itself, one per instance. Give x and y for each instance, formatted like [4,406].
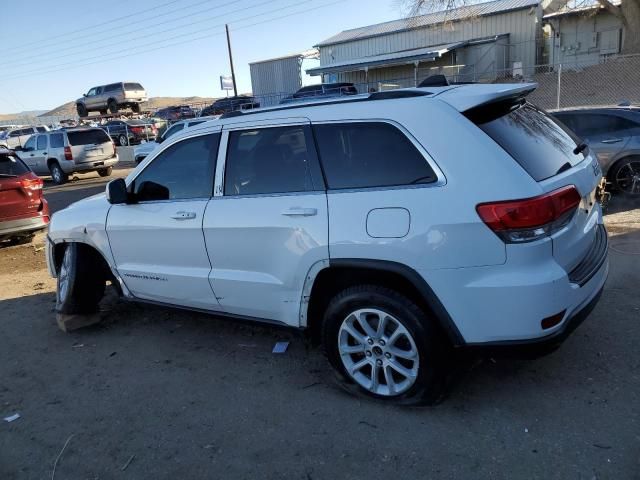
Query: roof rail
[386,95]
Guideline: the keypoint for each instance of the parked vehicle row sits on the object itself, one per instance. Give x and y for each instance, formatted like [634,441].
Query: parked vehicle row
[335,217]
[17,137]
[230,104]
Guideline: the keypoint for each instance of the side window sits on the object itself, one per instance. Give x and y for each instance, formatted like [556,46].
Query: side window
[173,130]
[42,142]
[30,145]
[269,160]
[56,140]
[41,129]
[91,92]
[369,154]
[15,133]
[184,170]
[27,131]
[99,90]
[589,125]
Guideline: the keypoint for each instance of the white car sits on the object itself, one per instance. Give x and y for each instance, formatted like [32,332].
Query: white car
[141,151]
[395,226]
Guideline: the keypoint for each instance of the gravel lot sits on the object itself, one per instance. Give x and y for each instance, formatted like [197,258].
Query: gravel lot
[155,393]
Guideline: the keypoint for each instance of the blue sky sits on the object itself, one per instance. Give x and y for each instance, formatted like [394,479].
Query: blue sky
[55,51]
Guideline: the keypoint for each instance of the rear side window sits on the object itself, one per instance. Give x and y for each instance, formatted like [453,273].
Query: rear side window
[133,86]
[112,88]
[11,166]
[56,140]
[269,160]
[88,137]
[532,137]
[369,154]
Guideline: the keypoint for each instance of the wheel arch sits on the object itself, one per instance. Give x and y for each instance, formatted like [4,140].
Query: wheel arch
[52,160]
[622,157]
[327,278]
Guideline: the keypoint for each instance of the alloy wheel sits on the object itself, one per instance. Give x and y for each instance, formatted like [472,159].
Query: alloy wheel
[378,352]
[628,177]
[63,276]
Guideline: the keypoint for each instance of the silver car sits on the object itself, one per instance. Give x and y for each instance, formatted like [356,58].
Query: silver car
[111,98]
[614,135]
[62,152]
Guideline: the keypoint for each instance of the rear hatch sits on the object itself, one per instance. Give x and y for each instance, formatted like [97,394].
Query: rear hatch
[546,150]
[90,145]
[20,190]
[134,91]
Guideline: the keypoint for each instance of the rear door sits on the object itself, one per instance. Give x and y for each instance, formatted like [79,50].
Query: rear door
[15,201]
[267,225]
[90,146]
[545,150]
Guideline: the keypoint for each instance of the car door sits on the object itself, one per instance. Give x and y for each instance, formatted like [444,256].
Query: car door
[267,224]
[40,154]
[606,133]
[27,155]
[90,98]
[157,242]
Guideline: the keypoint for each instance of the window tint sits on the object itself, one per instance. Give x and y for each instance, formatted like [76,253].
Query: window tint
[589,125]
[268,160]
[31,144]
[11,166]
[184,170]
[42,142]
[56,140]
[173,130]
[532,137]
[88,137]
[133,86]
[359,155]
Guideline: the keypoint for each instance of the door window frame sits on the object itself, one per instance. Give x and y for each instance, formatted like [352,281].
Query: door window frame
[315,170]
[130,180]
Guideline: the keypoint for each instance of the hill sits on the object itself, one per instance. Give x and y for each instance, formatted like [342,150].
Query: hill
[69,109]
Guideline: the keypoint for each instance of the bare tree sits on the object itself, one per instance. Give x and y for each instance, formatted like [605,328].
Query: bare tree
[628,12]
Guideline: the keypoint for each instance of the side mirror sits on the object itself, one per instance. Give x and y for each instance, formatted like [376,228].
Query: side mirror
[18,148]
[84,94]
[117,191]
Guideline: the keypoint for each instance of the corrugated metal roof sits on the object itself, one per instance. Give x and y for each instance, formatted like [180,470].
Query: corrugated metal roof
[396,58]
[477,10]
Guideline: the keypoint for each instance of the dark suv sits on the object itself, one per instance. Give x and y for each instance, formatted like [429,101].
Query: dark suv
[230,104]
[614,135]
[322,90]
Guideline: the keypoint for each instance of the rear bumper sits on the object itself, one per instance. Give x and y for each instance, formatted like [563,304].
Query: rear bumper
[26,225]
[70,167]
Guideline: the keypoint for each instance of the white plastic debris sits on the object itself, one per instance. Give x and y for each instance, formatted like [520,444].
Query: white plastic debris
[12,418]
[280,347]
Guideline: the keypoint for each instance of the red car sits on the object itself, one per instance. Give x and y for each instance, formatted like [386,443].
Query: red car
[23,209]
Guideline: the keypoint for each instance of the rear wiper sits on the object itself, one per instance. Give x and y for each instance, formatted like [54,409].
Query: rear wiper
[580,148]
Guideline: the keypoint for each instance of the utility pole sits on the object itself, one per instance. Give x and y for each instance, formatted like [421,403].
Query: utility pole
[233,74]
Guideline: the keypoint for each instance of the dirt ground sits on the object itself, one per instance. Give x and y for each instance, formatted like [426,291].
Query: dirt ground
[156,393]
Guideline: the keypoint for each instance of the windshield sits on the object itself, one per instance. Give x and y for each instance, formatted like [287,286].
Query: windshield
[11,166]
[133,86]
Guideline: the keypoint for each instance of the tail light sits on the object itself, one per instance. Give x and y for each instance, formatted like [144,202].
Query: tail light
[67,153]
[136,129]
[31,183]
[517,221]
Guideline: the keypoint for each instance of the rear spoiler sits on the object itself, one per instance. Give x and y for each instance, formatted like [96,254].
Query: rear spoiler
[466,97]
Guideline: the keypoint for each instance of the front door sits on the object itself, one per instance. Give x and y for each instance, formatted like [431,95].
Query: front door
[267,225]
[157,243]
[28,153]
[40,155]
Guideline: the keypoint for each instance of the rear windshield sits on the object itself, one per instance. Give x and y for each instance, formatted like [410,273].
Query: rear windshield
[88,137]
[11,166]
[532,137]
[133,86]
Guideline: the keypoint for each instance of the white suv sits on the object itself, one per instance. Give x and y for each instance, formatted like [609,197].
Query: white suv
[394,225]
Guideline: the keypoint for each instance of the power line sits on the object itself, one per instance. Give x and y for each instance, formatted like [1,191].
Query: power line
[109,43]
[71,64]
[101,60]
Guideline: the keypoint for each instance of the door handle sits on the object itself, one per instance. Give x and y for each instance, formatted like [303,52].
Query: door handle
[32,155]
[300,212]
[184,215]
[44,153]
[612,140]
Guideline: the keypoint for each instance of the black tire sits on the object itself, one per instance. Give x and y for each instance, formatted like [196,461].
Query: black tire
[135,108]
[622,177]
[112,106]
[57,174]
[85,283]
[433,348]
[21,240]
[105,172]
[122,140]
[82,110]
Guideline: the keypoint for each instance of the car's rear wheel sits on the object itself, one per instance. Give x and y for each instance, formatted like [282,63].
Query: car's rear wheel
[82,110]
[122,140]
[112,106]
[626,176]
[79,287]
[384,346]
[57,174]
[105,172]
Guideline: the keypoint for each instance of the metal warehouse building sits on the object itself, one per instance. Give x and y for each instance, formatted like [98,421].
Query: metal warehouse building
[474,43]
